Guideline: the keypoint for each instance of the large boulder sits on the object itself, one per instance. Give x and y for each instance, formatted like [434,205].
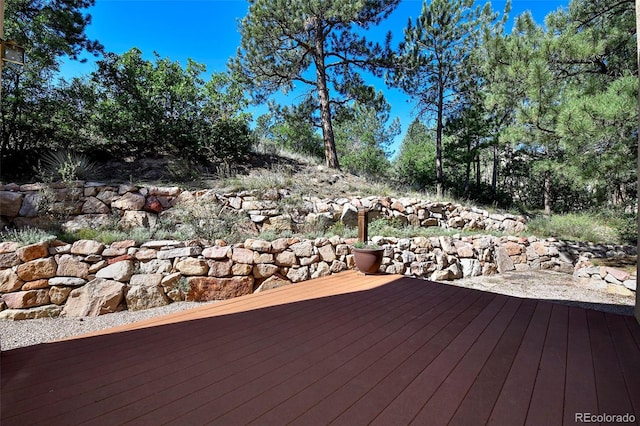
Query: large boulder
[97,297]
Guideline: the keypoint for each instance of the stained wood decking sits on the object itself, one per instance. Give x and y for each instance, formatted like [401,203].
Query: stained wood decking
[346,349]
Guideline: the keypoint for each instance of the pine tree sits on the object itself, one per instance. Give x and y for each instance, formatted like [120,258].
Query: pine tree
[431,58]
[283,41]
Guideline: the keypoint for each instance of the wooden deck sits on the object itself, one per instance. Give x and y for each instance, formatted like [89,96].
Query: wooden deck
[346,349]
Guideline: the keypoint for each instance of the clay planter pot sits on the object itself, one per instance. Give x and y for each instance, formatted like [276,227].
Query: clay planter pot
[368,260]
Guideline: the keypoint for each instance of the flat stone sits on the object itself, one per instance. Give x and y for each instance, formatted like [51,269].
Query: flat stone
[220,268]
[9,281]
[37,269]
[179,252]
[129,201]
[503,261]
[7,260]
[159,244]
[242,255]
[264,270]
[275,281]
[47,311]
[241,269]
[146,254]
[286,258]
[138,219]
[631,284]
[33,251]
[119,271]
[619,290]
[191,266]
[26,299]
[155,266]
[216,252]
[302,249]
[142,297]
[59,295]
[87,247]
[261,246]
[93,205]
[9,247]
[146,280]
[72,266]
[300,274]
[66,281]
[212,288]
[171,281]
[10,203]
[327,253]
[35,285]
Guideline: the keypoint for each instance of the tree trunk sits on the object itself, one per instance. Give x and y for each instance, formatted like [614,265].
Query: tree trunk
[547,192]
[494,174]
[478,174]
[330,154]
[467,172]
[439,129]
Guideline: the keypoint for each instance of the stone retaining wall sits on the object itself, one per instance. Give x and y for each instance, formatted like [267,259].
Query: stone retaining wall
[88,278]
[90,204]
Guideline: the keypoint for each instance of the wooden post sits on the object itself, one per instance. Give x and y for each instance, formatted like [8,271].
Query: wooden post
[363,224]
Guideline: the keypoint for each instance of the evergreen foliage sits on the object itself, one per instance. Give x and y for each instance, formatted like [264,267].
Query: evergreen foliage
[282,40]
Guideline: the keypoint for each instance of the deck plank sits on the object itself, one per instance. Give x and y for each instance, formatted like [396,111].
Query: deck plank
[608,372]
[481,398]
[513,401]
[580,384]
[347,349]
[547,399]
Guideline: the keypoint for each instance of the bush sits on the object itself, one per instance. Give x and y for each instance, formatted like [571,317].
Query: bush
[228,141]
[66,166]
[602,227]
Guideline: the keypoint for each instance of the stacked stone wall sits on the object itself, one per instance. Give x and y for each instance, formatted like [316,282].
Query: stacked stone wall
[88,278]
[90,204]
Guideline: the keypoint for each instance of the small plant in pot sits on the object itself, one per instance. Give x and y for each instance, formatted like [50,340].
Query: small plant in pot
[368,257]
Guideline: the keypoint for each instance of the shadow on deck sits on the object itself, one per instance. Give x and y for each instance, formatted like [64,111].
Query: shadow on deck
[384,350]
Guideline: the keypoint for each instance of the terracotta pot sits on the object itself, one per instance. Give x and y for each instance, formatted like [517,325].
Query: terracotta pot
[368,260]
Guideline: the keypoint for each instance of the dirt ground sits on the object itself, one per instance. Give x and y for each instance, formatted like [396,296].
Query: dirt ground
[549,285]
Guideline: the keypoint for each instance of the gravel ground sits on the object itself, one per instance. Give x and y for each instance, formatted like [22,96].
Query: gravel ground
[554,286]
[16,334]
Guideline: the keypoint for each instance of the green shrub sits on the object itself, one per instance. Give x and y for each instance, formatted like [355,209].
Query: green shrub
[587,227]
[26,236]
[66,166]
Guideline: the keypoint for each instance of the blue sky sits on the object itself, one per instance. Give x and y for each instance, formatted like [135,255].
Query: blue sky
[206,31]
